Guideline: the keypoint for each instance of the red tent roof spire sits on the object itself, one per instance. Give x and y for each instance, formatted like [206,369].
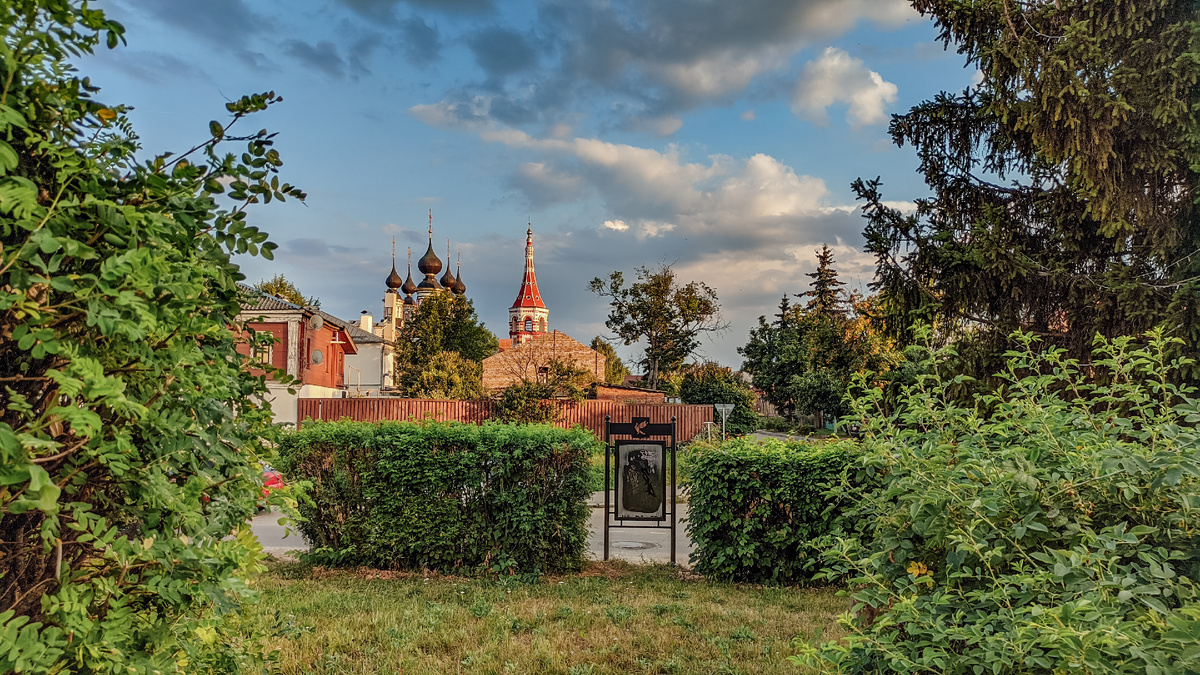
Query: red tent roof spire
[529,295]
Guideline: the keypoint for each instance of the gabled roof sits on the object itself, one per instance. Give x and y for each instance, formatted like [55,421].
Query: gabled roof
[252,298]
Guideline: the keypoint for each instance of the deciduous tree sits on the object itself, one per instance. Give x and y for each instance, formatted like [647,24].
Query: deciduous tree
[280,287]
[614,368]
[709,383]
[131,431]
[446,375]
[667,317]
[442,323]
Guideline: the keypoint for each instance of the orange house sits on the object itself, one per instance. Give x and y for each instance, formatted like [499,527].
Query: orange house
[309,345]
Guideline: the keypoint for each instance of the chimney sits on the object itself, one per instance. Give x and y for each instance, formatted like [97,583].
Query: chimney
[366,322]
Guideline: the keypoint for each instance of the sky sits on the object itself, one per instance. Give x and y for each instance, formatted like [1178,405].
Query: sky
[718,137]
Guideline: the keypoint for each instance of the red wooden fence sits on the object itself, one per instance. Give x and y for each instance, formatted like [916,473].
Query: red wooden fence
[589,414]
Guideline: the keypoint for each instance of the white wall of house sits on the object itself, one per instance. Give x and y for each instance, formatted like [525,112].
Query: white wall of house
[364,370]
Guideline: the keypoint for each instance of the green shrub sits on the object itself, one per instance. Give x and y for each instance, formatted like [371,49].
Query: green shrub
[757,510]
[449,497]
[710,383]
[1048,528]
[130,426]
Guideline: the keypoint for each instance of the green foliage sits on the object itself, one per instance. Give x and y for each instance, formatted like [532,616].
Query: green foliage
[826,296]
[614,368]
[1063,184]
[817,391]
[525,402]
[280,287]
[1047,528]
[448,497]
[655,309]
[129,435]
[758,511]
[710,383]
[443,322]
[805,358]
[447,376]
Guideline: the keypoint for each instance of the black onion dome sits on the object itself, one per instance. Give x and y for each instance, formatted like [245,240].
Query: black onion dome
[459,287]
[429,283]
[408,300]
[448,280]
[408,286]
[393,279]
[429,263]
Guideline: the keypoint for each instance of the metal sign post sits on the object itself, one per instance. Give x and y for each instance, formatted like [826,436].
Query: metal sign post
[724,409]
[641,458]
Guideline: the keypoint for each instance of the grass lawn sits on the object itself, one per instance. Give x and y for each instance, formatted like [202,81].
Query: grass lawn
[611,618]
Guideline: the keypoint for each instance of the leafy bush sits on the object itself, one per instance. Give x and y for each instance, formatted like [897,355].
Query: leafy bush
[130,427]
[1048,528]
[757,510]
[450,497]
[525,402]
[710,383]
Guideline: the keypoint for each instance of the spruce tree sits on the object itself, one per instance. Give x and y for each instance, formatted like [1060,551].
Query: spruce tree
[1063,184]
[826,296]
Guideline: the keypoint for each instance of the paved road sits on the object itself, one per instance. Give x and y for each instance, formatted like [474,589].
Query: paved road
[633,544]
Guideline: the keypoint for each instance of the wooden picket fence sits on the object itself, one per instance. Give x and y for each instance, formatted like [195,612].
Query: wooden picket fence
[589,414]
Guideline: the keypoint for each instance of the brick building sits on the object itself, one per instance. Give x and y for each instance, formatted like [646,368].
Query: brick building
[531,359]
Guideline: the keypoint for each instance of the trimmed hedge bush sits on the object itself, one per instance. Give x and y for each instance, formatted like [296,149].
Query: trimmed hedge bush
[443,496]
[758,511]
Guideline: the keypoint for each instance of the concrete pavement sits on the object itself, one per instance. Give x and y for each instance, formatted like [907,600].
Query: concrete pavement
[639,545]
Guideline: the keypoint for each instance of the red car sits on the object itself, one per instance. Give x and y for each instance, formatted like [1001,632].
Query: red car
[271,480]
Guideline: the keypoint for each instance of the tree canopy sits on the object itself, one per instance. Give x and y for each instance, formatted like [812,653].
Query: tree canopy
[280,287]
[656,310]
[442,323]
[1063,184]
[710,383]
[614,368]
[446,375]
[131,431]
[805,358]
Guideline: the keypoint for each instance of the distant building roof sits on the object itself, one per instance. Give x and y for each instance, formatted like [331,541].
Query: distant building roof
[252,298]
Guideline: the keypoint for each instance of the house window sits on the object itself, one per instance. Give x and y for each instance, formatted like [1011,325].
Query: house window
[543,374]
[262,354]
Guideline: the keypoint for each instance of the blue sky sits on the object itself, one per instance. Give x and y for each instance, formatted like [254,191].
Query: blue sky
[720,137]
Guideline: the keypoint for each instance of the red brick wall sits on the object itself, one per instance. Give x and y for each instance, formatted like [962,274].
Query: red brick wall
[628,395]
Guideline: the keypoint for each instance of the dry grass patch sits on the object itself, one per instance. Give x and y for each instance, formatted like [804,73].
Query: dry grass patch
[612,618]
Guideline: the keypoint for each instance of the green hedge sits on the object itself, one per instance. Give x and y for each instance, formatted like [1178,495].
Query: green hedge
[449,497]
[758,510]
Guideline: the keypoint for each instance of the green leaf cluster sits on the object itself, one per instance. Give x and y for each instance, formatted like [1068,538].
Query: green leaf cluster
[443,496]
[758,510]
[443,323]
[130,434]
[710,383]
[1046,528]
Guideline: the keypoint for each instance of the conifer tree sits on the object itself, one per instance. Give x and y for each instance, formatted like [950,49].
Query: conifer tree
[826,296]
[1063,184]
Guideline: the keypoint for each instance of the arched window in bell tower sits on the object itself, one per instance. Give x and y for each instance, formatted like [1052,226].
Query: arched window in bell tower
[528,325]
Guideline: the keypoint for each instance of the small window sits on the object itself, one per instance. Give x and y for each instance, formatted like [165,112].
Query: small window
[528,325]
[262,354]
[543,374]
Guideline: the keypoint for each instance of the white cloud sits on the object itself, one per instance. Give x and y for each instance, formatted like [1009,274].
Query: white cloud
[616,225]
[837,77]
[748,115]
